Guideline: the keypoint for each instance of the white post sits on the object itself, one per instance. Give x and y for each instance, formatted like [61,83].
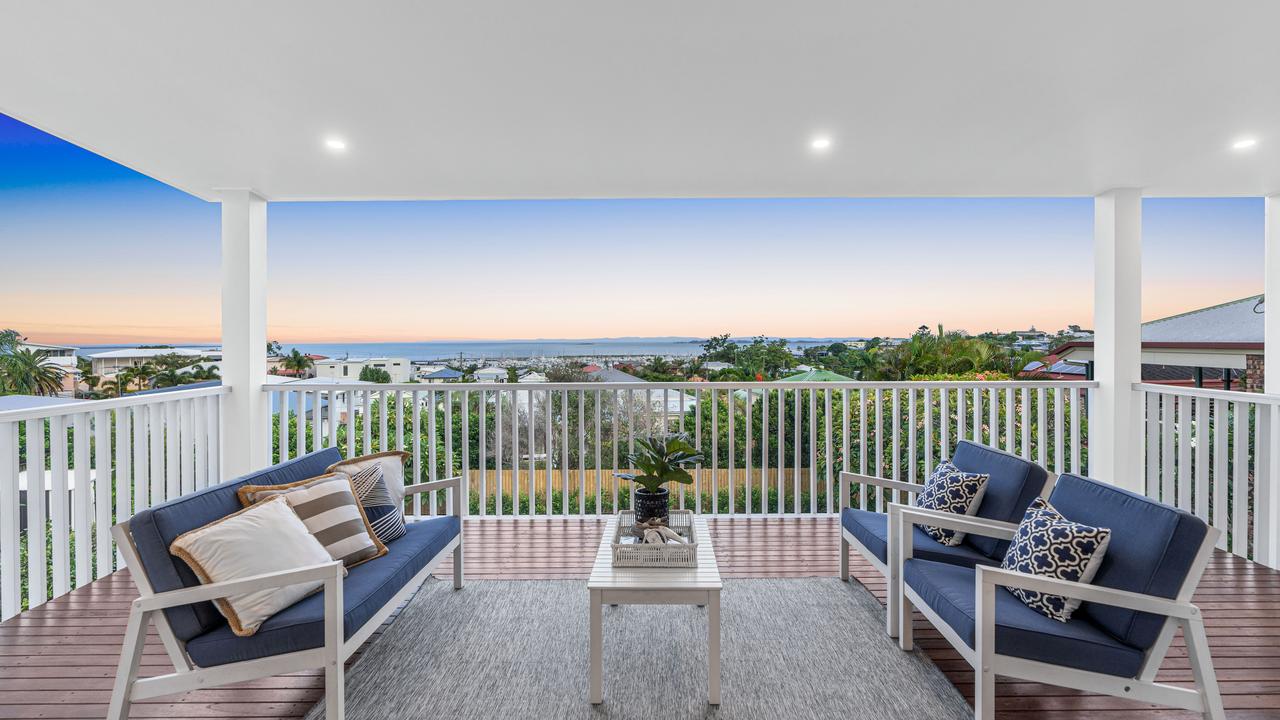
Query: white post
[246,413]
[1267,492]
[1115,451]
[1271,286]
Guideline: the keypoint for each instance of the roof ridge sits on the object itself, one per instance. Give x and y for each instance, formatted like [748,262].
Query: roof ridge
[1205,309]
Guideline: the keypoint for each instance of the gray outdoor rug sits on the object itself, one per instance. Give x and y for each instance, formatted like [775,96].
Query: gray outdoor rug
[518,649]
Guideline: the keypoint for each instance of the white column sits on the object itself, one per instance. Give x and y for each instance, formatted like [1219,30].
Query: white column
[1115,450]
[246,411]
[1271,269]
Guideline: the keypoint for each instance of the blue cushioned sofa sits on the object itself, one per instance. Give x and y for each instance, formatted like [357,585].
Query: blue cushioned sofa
[320,631]
[1013,484]
[1114,643]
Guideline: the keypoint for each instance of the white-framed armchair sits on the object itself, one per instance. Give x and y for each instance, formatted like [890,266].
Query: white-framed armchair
[1115,641]
[1012,484]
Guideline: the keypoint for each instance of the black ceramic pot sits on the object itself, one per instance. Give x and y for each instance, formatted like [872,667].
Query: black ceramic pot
[652,505]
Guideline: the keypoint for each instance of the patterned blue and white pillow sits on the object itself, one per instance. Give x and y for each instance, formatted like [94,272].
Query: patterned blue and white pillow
[384,513]
[1049,545]
[952,490]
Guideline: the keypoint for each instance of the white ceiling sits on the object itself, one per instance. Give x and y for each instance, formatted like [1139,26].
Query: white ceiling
[658,98]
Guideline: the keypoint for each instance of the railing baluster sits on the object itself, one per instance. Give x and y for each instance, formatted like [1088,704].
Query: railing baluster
[417,449]
[482,413]
[10,523]
[1185,438]
[731,406]
[715,452]
[37,514]
[1167,466]
[598,400]
[59,512]
[1240,479]
[1201,499]
[1219,508]
[123,465]
[499,485]
[80,501]
[102,504]
[826,400]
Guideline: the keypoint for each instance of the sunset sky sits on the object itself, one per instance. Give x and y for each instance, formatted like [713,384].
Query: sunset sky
[95,253]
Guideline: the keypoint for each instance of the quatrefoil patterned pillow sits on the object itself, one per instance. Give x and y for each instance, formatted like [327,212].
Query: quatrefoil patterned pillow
[1049,545]
[952,490]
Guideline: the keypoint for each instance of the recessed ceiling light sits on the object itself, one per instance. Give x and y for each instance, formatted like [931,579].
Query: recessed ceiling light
[335,144]
[820,143]
[1244,143]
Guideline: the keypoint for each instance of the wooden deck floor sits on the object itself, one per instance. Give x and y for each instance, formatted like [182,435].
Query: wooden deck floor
[58,660]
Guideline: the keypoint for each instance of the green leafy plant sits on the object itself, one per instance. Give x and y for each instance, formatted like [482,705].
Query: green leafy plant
[660,460]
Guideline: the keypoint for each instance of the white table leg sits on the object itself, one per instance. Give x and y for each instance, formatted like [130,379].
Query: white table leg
[597,648]
[713,646]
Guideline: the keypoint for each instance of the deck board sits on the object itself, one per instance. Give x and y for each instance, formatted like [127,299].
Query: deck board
[58,660]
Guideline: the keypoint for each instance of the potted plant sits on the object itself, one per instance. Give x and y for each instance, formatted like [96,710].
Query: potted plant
[660,460]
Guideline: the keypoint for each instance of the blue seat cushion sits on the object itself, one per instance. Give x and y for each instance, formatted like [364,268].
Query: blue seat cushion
[1011,486]
[1151,550]
[872,530]
[367,588]
[949,590]
[154,529]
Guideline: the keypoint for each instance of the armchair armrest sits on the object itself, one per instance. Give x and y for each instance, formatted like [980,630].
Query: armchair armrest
[1089,593]
[453,483]
[331,571]
[950,521]
[846,478]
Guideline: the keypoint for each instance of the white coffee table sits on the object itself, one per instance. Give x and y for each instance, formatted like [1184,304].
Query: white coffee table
[656,586]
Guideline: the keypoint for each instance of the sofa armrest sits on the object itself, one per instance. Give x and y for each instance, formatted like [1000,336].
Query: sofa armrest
[453,483]
[847,478]
[961,523]
[331,571]
[1083,591]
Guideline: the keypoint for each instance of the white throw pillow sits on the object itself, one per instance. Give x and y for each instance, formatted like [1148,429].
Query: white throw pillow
[392,462]
[263,538]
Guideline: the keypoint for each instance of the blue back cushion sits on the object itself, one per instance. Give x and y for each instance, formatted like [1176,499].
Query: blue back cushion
[1014,483]
[156,528]
[1151,551]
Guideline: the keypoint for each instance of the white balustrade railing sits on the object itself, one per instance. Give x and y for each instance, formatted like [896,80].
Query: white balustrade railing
[68,472]
[552,449]
[1212,453]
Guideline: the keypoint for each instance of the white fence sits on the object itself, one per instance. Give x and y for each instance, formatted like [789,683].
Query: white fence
[551,450]
[1211,452]
[68,472]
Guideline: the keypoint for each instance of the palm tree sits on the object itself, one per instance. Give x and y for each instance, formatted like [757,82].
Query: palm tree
[30,372]
[201,373]
[170,377]
[84,366]
[297,362]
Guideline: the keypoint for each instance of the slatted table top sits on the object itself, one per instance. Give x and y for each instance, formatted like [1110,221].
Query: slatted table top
[706,576]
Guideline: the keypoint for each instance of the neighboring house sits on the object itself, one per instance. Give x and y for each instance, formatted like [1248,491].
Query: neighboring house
[443,375]
[1216,346]
[490,375]
[61,355]
[1032,335]
[608,374]
[421,370]
[107,364]
[275,366]
[716,366]
[349,368]
[533,377]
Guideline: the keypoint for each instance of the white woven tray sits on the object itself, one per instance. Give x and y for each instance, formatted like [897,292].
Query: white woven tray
[656,556]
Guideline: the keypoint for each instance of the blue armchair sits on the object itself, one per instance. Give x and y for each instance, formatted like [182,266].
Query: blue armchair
[1114,643]
[1013,484]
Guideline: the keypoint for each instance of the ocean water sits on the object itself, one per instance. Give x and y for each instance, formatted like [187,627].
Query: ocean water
[479,350]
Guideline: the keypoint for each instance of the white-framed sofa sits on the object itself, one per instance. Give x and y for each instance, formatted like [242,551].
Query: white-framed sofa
[1114,643]
[318,632]
[1013,482]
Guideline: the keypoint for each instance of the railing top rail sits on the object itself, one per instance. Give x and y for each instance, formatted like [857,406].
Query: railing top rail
[109,404]
[1232,395]
[735,385]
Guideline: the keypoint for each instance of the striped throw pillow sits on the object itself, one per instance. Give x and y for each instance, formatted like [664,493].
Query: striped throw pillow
[327,505]
[385,515]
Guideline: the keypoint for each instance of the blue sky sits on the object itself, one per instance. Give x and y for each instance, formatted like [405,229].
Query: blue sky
[95,252]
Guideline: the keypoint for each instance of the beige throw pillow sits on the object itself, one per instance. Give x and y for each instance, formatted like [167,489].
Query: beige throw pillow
[329,508]
[267,537]
[392,462]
